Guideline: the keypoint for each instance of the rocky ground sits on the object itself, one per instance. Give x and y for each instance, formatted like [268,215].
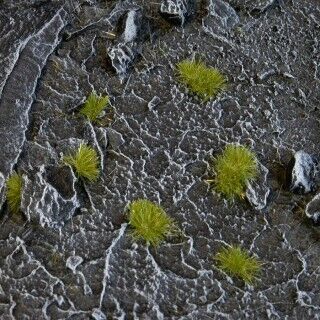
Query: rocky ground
[69,255]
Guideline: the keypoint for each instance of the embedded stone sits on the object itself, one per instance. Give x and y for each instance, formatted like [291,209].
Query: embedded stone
[123,54]
[122,57]
[221,17]
[177,11]
[304,172]
[313,209]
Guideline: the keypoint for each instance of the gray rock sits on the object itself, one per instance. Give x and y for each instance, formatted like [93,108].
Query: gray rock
[36,155]
[68,146]
[154,102]
[132,26]
[122,56]
[255,7]
[62,179]
[49,197]
[73,262]
[19,88]
[127,47]
[262,6]
[265,74]
[313,209]
[177,11]
[221,18]
[98,315]
[115,138]
[258,191]
[304,172]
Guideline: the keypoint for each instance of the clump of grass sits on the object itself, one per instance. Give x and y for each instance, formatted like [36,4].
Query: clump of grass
[238,263]
[204,81]
[234,168]
[14,191]
[94,105]
[150,222]
[85,162]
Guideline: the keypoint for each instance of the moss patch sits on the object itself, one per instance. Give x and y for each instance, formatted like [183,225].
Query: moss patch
[93,106]
[85,162]
[14,190]
[204,81]
[149,222]
[237,263]
[234,168]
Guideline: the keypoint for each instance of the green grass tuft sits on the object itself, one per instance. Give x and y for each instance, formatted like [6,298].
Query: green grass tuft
[94,106]
[14,190]
[234,168]
[150,222]
[237,263]
[85,161]
[204,81]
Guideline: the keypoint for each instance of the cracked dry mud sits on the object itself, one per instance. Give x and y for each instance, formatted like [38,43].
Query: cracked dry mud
[70,256]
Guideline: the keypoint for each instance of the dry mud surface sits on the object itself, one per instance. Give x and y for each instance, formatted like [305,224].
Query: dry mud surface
[71,256]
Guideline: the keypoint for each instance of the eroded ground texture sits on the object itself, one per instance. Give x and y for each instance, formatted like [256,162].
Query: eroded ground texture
[70,254]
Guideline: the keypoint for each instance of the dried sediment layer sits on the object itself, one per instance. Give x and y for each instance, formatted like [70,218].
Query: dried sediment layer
[159,146]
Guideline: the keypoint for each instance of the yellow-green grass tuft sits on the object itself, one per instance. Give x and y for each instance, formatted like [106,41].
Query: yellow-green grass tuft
[94,105]
[85,162]
[238,263]
[234,168]
[14,191]
[206,82]
[149,222]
